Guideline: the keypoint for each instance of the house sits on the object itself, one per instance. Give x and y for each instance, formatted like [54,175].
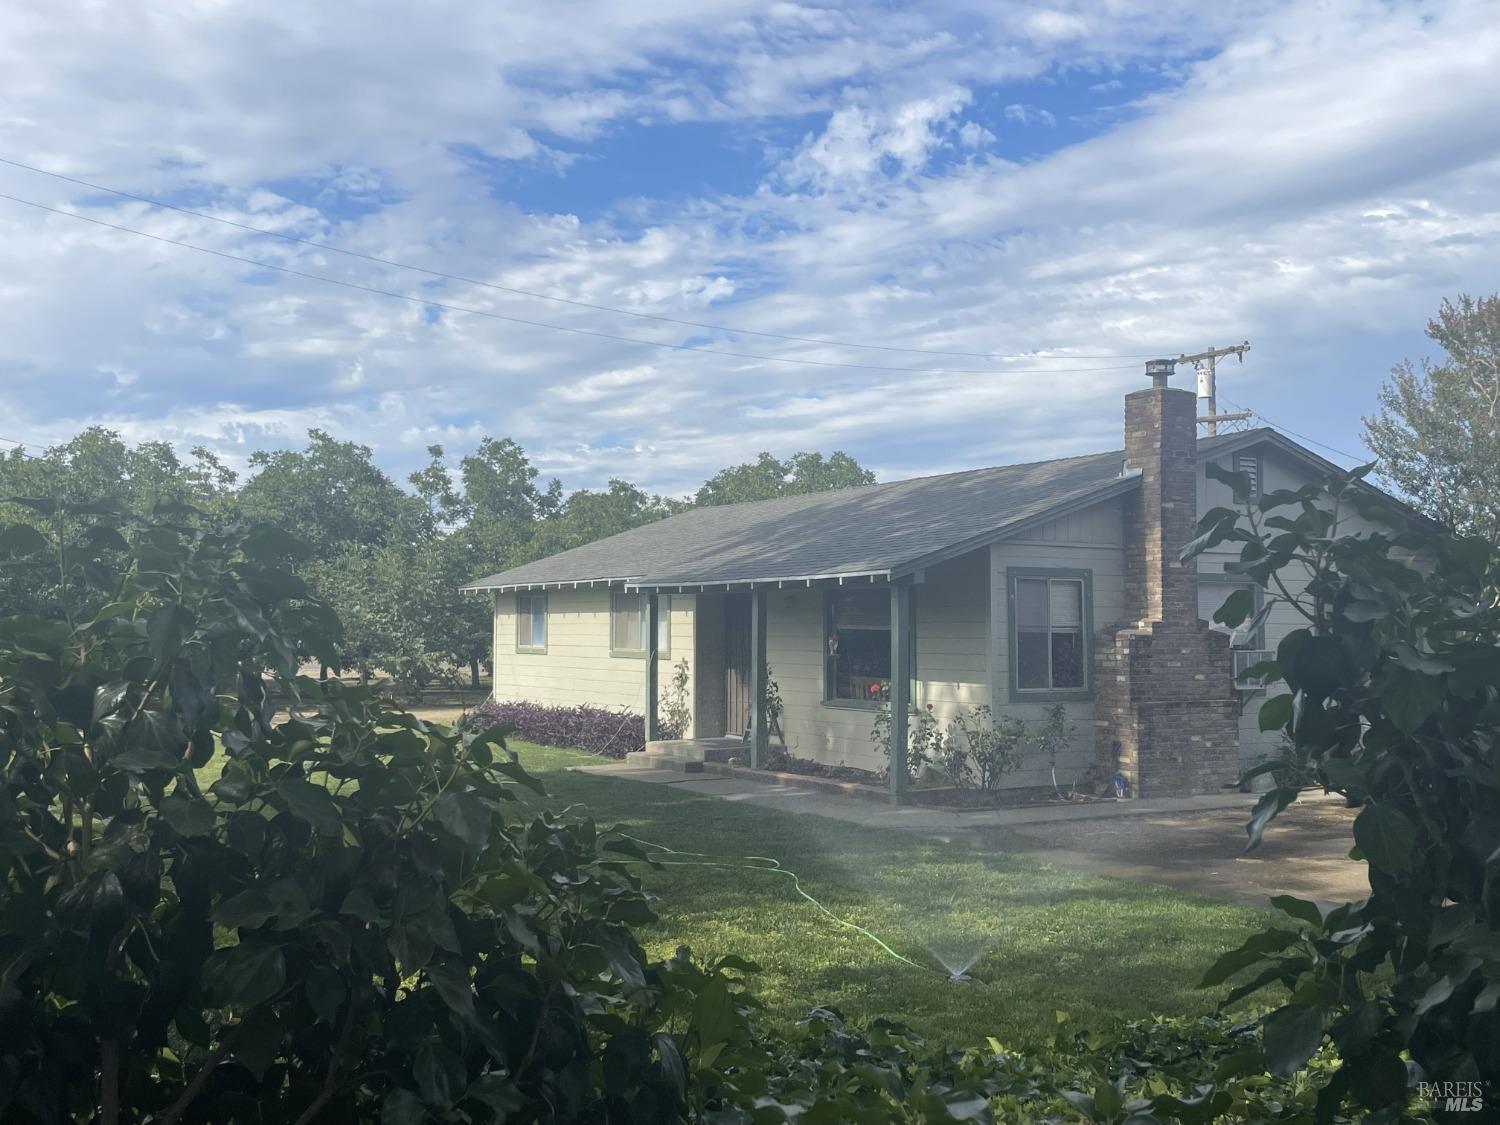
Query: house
[1018,587]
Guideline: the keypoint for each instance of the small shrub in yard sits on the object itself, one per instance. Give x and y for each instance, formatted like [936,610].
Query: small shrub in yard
[597,730]
[924,738]
[1052,737]
[991,748]
[676,707]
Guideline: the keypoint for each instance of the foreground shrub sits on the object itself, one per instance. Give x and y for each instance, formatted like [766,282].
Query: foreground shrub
[212,911]
[598,730]
[1393,701]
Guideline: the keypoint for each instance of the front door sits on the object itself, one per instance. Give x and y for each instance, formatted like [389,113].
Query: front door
[736,664]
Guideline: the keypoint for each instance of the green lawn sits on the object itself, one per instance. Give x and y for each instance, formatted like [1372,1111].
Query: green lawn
[1098,948]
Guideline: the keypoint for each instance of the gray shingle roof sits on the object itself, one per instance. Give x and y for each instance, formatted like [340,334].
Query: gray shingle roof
[879,529]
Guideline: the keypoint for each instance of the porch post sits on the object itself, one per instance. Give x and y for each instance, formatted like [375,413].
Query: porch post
[652,640]
[759,735]
[900,686]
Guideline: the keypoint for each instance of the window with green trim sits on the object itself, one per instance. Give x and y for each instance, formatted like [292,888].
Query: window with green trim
[531,622]
[857,645]
[1050,613]
[627,623]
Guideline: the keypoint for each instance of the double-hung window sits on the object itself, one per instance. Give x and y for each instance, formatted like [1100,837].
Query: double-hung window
[531,622]
[1049,634]
[627,624]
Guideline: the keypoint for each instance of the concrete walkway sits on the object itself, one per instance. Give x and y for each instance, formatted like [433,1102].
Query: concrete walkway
[1194,844]
[932,822]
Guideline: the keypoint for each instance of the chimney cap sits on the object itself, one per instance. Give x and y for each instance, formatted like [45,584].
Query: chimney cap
[1160,370]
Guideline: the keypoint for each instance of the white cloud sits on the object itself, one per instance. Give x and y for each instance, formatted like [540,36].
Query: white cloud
[1029,114]
[861,143]
[1050,24]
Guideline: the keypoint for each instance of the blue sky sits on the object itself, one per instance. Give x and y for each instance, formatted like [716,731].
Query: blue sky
[1075,184]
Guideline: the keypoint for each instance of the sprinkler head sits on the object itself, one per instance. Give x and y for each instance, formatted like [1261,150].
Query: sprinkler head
[960,978]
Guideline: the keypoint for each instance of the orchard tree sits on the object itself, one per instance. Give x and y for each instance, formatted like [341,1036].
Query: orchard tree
[1438,431]
[588,515]
[768,477]
[98,471]
[331,494]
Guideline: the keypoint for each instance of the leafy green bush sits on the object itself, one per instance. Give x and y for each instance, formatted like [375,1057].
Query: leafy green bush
[981,749]
[676,706]
[212,910]
[1393,701]
[924,738]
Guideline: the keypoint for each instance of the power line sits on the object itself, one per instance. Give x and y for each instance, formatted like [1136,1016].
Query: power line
[1355,457]
[428,302]
[531,293]
[21,448]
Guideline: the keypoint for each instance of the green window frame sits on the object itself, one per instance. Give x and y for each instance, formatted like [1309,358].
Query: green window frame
[531,622]
[627,624]
[832,671]
[1053,632]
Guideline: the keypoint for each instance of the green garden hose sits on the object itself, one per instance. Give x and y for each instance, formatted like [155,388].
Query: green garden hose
[772,866]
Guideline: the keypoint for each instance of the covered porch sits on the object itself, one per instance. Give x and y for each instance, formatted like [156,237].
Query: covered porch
[733,709]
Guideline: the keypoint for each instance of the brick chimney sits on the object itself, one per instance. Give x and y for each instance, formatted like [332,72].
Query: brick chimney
[1161,439]
[1165,707]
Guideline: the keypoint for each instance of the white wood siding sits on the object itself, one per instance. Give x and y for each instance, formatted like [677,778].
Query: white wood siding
[577,666]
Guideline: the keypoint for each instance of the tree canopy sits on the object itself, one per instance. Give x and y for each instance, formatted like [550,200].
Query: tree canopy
[767,477]
[388,558]
[1438,430]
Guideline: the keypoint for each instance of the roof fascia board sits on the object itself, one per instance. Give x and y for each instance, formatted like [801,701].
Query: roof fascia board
[776,580]
[565,584]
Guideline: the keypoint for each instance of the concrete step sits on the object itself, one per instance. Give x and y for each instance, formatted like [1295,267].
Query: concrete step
[682,755]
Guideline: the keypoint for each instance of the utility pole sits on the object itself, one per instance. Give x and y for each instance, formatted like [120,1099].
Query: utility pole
[1204,362]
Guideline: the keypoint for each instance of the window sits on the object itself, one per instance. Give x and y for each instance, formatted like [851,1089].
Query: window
[531,622]
[1249,464]
[627,624]
[1049,634]
[1213,594]
[857,646]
